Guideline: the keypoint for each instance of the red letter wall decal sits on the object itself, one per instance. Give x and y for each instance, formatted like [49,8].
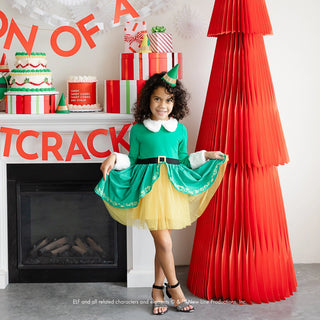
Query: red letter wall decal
[4,23]
[27,44]
[54,148]
[9,132]
[20,140]
[119,140]
[76,146]
[120,12]
[92,149]
[65,53]
[82,150]
[87,33]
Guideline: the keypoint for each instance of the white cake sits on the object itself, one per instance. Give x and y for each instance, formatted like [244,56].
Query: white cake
[31,73]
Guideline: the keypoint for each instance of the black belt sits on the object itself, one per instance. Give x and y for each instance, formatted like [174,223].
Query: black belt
[159,159]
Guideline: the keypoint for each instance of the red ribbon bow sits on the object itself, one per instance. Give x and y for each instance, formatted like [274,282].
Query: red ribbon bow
[138,37]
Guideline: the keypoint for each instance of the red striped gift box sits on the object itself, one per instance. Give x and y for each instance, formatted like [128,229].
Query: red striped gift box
[140,66]
[120,95]
[30,104]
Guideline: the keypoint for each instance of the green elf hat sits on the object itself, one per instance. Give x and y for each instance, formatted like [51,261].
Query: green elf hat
[171,76]
[62,108]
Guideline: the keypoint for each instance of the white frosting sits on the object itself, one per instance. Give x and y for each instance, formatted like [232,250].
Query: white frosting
[38,80]
[82,79]
[85,106]
[31,63]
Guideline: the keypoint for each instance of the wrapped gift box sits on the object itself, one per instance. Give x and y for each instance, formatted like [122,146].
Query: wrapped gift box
[17,103]
[160,42]
[140,66]
[120,95]
[134,32]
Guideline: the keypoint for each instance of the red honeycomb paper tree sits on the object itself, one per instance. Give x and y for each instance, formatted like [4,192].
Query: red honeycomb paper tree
[241,249]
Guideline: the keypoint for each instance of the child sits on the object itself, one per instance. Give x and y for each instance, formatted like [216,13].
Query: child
[159,186]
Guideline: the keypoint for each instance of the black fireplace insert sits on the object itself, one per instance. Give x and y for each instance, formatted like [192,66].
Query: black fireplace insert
[58,229]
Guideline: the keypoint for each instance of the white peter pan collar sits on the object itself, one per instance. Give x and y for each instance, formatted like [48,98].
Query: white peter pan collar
[155,125]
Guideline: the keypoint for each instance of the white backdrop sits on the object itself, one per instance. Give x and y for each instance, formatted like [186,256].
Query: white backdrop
[293,53]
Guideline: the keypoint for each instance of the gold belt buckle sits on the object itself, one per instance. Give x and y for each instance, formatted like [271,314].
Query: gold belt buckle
[162,159]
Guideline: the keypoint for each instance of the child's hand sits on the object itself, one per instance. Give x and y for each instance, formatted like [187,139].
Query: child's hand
[107,165]
[214,155]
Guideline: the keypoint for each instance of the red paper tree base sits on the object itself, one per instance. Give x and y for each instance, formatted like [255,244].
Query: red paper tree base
[242,241]
[241,248]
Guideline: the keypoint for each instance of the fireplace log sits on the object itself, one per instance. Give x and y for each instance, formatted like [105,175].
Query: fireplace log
[60,249]
[54,244]
[79,250]
[81,244]
[38,246]
[94,245]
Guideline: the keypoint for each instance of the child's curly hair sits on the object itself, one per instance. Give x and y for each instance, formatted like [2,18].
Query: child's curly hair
[180,98]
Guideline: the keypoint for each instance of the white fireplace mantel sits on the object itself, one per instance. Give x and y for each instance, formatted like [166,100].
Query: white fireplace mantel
[140,249]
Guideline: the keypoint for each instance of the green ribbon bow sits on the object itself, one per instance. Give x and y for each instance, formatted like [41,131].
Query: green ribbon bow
[158,29]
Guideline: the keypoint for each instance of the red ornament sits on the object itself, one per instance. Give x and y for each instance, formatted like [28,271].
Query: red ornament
[241,247]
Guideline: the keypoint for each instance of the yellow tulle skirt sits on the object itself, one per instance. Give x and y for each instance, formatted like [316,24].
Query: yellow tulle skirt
[164,207]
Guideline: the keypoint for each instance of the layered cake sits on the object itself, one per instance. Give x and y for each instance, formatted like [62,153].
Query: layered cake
[30,85]
[82,94]
[31,73]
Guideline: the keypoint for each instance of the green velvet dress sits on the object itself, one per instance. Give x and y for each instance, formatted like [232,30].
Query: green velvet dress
[136,195]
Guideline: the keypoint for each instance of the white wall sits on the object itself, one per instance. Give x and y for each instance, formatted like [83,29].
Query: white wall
[293,53]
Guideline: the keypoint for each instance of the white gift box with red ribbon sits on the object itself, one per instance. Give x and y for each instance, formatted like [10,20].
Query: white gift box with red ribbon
[134,32]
